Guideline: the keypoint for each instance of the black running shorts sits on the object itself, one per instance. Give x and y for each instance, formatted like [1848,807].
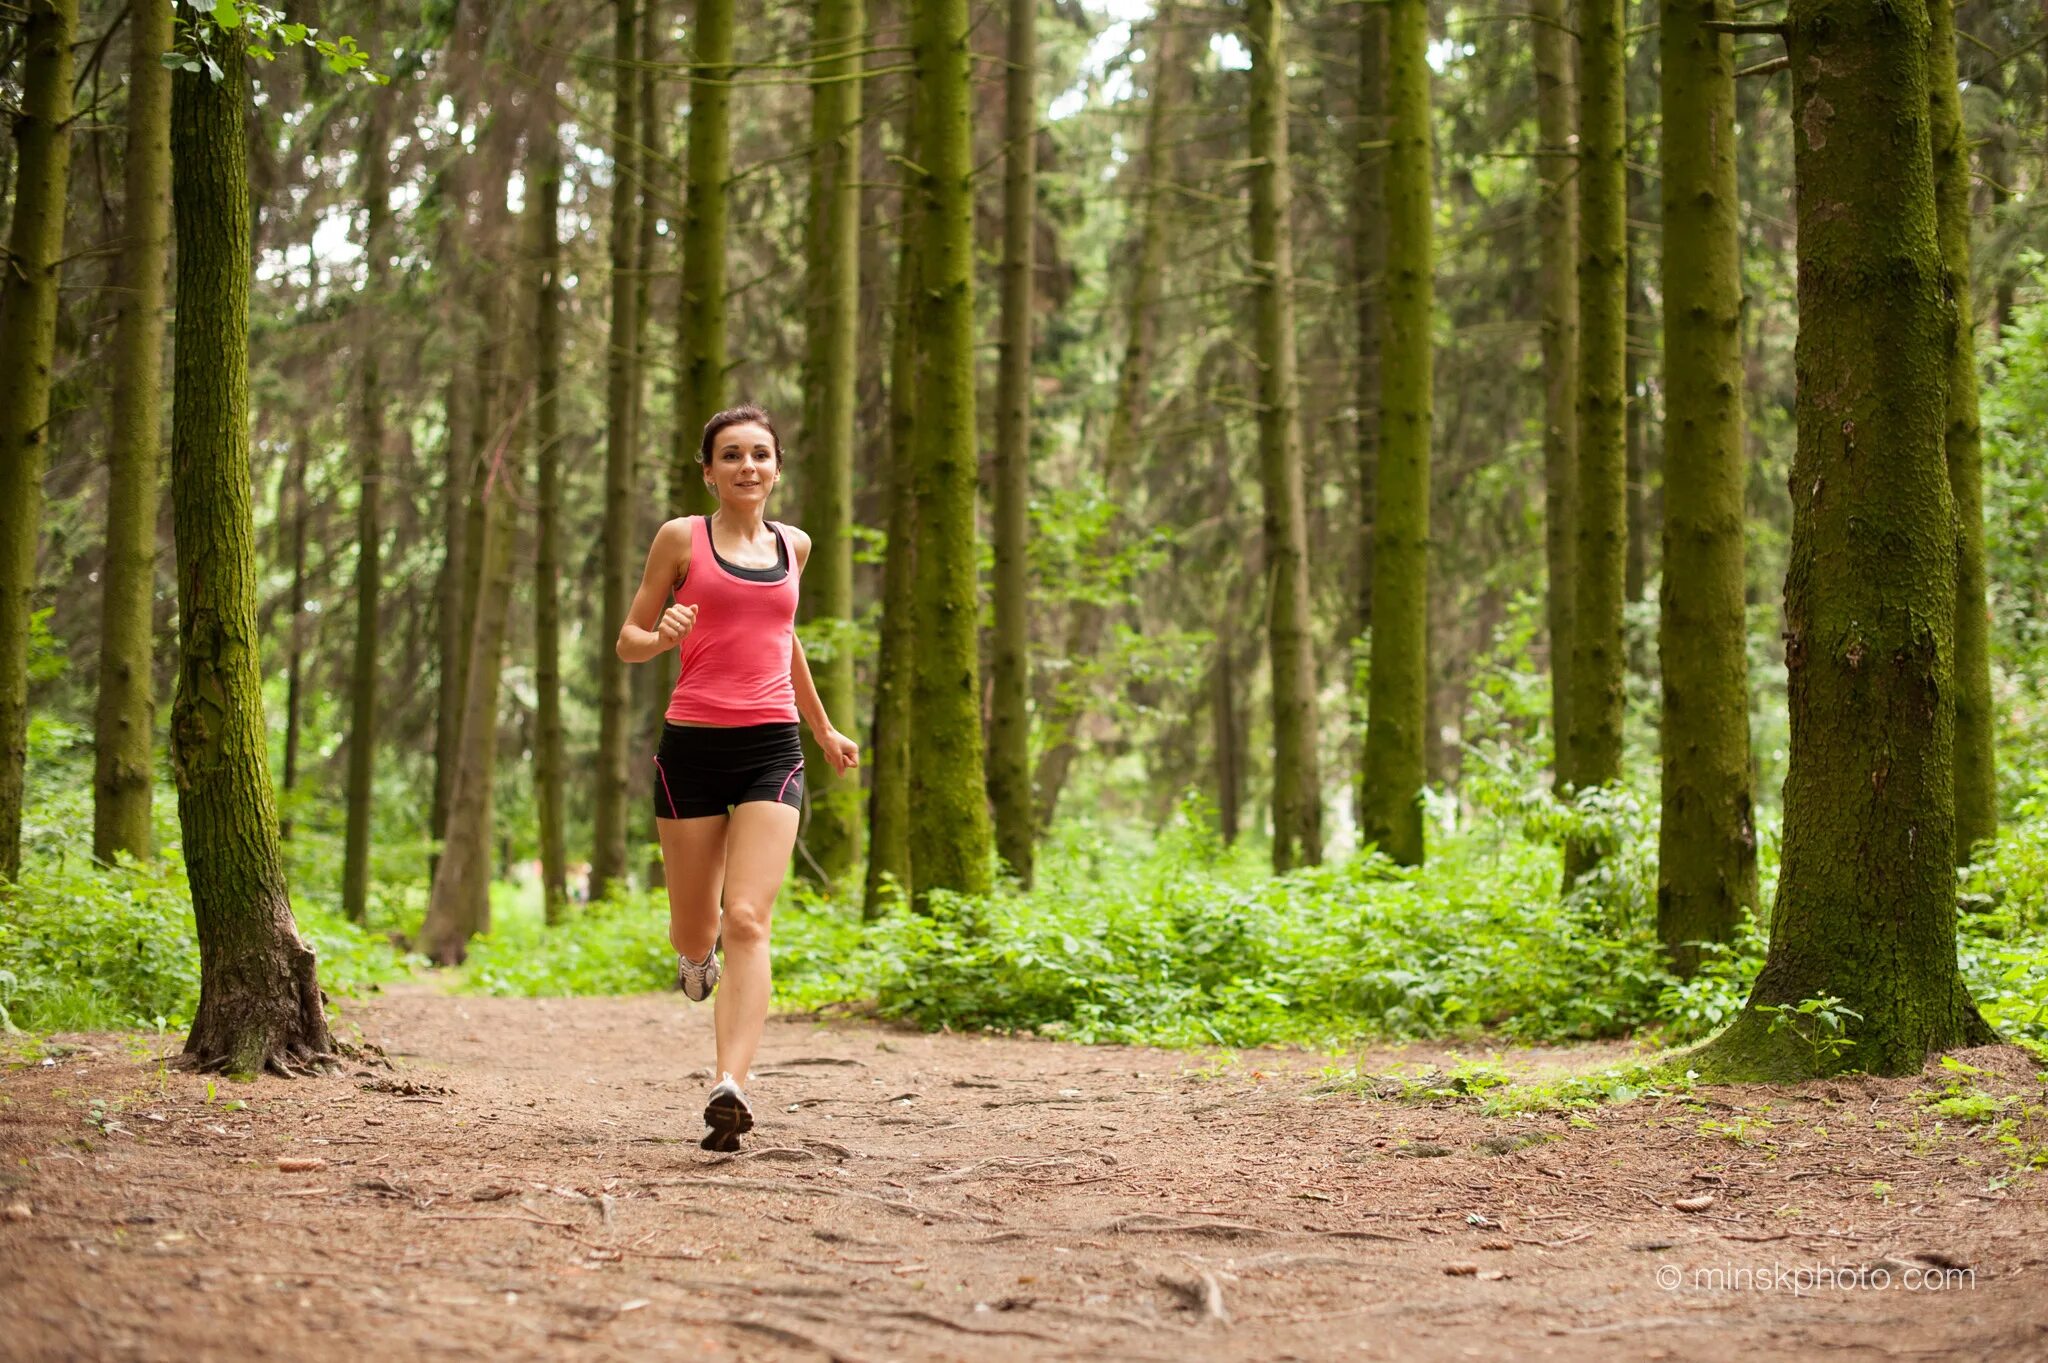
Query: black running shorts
[703,772]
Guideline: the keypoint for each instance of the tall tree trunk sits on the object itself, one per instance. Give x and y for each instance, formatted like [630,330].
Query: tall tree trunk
[259,992]
[1557,215]
[295,627]
[1009,771]
[832,299]
[950,845]
[28,337]
[608,804]
[456,568]
[1399,709]
[1976,768]
[375,157]
[700,302]
[1866,909]
[546,256]
[458,906]
[1602,521]
[1069,699]
[1297,783]
[1368,276]
[888,757]
[1706,851]
[124,724]
[649,683]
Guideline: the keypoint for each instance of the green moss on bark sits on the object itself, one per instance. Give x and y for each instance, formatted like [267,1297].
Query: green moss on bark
[1557,216]
[1397,715]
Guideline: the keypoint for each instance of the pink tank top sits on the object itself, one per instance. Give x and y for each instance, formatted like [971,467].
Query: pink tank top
[736,657]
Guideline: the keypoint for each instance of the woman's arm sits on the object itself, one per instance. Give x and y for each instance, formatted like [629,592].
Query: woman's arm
[654,623]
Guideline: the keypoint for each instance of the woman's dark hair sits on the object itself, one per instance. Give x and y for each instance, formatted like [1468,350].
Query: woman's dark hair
[744,414]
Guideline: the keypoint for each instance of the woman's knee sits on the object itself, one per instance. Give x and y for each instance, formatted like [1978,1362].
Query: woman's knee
[745,925]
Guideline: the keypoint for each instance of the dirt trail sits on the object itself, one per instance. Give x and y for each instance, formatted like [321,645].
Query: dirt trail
[524,1181]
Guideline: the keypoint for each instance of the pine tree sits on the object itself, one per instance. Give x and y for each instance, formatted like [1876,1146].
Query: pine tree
[1976,764]
[1009,771]
[259,991]
[1866,909]
[700,302]
[1398,711]
[608,854]
[28,337]
[1601,522]
[950,846]
[548,769]
[1368,220]
[124,725]
[832,297]
[1557,215]
[1297,795]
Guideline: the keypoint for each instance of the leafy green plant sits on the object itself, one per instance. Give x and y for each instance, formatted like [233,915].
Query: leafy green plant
[1822,1023]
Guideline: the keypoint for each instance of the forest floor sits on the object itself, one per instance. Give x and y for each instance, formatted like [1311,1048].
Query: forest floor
[522,1179]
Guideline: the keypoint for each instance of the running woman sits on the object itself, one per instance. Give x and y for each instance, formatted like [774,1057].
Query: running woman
[729,781]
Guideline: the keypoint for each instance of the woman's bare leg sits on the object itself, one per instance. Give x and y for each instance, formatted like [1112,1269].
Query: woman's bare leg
[757,847]
[693,864]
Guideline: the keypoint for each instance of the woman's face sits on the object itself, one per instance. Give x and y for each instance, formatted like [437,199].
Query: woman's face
[743,466]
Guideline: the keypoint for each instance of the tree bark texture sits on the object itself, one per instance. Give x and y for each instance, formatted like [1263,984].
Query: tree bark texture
[292,504]
[1557,216]
[369,441]
[259,993]
[1068,700]
[832,298]
[28,337]
[548,768]
[608,803]
[888,754]
[1601,524]
[1297,785]
[1398,710]
[1866,908]
[1976,767]
[456,567]
[124,724]
[1706,851]
[700,302]
[1368,276]
[950,842]
[1009,771]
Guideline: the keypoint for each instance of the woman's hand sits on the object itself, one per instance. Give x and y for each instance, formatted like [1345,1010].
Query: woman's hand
[675,625]
[842,752]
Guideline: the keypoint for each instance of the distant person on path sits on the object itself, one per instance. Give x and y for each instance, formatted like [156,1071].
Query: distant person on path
[729,773]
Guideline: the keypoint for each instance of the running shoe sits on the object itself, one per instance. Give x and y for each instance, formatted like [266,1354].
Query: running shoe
[697,978]
[726,1117]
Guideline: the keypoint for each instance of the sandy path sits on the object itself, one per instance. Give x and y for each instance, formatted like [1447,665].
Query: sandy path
[532,1188]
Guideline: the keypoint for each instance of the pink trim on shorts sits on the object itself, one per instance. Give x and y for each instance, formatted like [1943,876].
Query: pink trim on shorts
[794,772]
[664,787]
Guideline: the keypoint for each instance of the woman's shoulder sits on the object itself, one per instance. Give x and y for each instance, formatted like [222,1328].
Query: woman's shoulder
[799,542]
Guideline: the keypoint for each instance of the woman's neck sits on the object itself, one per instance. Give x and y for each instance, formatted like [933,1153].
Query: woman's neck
[746,523]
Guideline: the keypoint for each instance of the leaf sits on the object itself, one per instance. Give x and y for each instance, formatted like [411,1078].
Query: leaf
[213,70]
[176,61]
[200,6]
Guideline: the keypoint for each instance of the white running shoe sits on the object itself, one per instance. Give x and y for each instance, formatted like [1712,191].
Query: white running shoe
[697,978]
[726,1117]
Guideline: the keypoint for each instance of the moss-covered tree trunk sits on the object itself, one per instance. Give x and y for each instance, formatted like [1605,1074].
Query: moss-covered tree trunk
[1397,713]
[1976,766]
[700,302]
[888,753]
[1009,758]
[1068,700]
[28,338]
[259,992]
[1706,852]
[1866,908]
[608,798]
[832,356]
[648,684]
[1297,781]
[1368,225]
[292,503]
[950,845]
[545,253]
[375,158]
[1557,283]
[124,722]
[1600,527]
